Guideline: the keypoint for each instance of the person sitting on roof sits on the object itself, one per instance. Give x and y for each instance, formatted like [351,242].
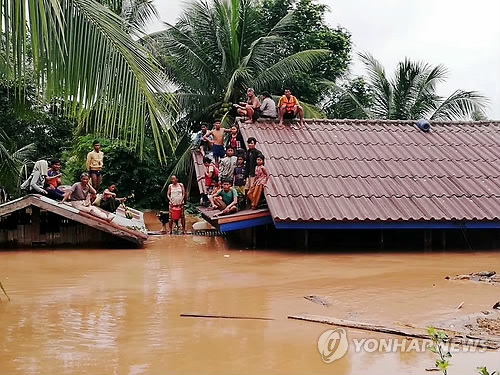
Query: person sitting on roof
[53,180]
[289,107]
[251,108]
[79,195]
[261,177]
[225,200]
[268,106]
[109,201]
[200,143]
[235,140]
[36,181]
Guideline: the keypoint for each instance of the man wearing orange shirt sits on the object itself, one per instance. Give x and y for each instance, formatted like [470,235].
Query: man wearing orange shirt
[289,107]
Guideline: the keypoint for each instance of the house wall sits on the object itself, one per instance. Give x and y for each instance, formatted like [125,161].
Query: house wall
[268,237]
[32,227]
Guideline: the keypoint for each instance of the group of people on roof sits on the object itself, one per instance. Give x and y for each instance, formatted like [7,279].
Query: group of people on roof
[288,107]
[234,171]
[45,179]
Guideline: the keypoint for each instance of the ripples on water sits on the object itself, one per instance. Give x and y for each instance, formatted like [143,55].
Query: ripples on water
[114,311]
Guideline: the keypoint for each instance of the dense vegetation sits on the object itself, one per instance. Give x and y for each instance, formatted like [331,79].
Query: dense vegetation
[142,95]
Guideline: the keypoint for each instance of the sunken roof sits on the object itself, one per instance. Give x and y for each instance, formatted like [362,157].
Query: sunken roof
[378,170]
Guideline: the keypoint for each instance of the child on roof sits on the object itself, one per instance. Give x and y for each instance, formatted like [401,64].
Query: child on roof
[260,180]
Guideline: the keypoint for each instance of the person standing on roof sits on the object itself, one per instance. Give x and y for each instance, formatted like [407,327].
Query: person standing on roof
[251,108]
[251,161]
[218,140]
[268,106]
[289,107]
[261,177]
[95,161]
[200,143]
[211,177]
[236,141]
[227,165]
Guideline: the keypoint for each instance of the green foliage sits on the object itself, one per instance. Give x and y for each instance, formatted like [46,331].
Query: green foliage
[348,99]
[142,177]
[439,338]
[217,49]
[85,60]
[308,30]
[27,122]
[411,93]
[484,371]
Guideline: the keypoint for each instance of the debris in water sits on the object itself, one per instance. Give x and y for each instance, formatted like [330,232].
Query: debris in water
[497,305]
[319,300]
[460,306]
[217,316]
[484,276]
[226,255]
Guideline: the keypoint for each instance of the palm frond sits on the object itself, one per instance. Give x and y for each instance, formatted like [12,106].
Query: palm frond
[460,105]
[298,62]
[349,103]
[113,84]
[311,111]
[382,88]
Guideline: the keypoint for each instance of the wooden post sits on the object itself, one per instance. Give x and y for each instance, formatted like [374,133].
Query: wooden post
[254,237]
[35,224]
[427,239]
[306,239]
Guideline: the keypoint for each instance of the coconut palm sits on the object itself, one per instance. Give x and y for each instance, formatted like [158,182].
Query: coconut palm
[411,93]
[216,50]
[12,163]
[83,57]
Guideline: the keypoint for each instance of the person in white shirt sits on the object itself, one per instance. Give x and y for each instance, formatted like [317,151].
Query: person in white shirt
[176,195]
[268,106]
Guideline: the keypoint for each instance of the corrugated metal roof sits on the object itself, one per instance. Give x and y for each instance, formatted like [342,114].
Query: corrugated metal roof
[330,170]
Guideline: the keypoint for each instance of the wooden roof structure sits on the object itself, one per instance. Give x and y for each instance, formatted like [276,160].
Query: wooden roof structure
[131,230]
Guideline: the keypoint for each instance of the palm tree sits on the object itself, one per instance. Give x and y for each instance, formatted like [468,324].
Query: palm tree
[84,58]
[216,50]
[12,163]
[411,94]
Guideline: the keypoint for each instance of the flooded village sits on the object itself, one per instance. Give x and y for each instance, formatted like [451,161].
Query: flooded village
[240,186]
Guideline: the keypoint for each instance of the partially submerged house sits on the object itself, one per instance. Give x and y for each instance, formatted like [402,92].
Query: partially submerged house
[35,220]
[378,175]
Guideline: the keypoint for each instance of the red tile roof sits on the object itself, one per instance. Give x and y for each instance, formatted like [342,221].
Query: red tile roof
[331,170]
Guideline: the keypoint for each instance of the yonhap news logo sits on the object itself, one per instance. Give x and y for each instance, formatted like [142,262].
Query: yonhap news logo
[333,344]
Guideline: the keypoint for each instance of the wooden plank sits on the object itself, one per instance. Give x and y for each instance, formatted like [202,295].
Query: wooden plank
[218,316]
[15,205]
[35,224]
[454,337]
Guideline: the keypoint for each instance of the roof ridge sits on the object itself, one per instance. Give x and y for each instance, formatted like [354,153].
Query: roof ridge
[377,159]
[292,142]
[418,196]
[384,176]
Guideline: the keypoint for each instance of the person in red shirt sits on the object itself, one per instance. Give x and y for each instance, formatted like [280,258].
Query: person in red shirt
[289,107]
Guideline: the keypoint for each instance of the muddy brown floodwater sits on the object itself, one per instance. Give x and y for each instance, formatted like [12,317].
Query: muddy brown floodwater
[117,311]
